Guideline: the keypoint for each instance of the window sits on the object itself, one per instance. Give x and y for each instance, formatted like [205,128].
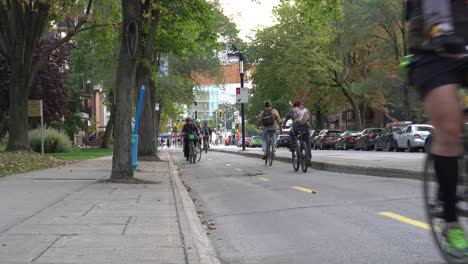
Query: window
[425,128]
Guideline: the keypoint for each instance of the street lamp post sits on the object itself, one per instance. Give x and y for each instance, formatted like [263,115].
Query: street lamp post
[241,72]
[238,53]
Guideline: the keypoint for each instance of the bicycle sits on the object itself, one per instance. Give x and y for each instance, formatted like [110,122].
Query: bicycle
[270,148]
[298,154]
[192,150]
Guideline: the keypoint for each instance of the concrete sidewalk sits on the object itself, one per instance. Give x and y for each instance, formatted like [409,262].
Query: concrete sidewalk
[386,164]
[65,215]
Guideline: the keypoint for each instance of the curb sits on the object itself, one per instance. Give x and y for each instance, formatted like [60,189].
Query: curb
[205,249]
[318,165]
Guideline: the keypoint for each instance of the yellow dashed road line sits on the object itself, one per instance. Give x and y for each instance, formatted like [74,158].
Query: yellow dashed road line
[238,169]
[227,164]
[406,220]
[302,189]
[263,179]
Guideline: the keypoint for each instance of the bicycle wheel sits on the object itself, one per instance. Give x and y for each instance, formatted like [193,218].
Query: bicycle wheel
[303,157]
[198,151]
[297,156]
[271,153]
[205,145]
[434,206]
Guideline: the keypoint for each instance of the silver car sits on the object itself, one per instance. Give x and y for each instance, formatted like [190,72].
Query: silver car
[412,137]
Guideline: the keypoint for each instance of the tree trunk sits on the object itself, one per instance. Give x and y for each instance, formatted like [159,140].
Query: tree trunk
[146,146]
[122,156]
[354,105]
[110,126]
[18,138]
[363,112]
[146,129]
[319,119]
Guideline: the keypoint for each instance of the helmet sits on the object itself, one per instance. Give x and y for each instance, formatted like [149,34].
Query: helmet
[188,119]
[197,121]
[297,103]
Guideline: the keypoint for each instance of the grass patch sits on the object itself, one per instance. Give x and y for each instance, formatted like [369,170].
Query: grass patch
[83,154]
[2,147]
[24,161]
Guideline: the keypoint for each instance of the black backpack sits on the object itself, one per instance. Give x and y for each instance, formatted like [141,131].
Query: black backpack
[267,117]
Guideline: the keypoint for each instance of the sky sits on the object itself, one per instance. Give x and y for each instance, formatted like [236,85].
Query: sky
[249,15]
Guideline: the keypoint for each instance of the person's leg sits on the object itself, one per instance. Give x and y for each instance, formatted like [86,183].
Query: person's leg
[442,105]
[264,138]
[186,147]
[292,139]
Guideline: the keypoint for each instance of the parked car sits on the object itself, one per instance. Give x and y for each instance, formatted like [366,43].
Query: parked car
[386,140]
[283,141]
[256,141]
[346,140]
[247,142]
[326,139]
[313,134]
[366,139]
[413,137]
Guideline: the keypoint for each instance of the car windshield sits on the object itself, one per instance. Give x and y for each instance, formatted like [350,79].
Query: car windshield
[425,128]
[376,130]
[256,138]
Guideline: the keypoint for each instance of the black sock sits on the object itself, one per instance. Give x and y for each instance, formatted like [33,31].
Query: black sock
[447,175]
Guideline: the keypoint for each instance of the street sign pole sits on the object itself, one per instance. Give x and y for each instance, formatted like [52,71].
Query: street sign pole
[241,70]
[42,127]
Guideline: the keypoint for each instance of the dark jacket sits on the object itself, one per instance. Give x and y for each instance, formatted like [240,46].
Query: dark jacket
[189,129]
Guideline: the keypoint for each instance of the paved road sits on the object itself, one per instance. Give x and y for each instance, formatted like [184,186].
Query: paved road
[273,215]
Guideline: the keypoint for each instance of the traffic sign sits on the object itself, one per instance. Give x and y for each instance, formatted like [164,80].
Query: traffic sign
[242,95]
[34,108]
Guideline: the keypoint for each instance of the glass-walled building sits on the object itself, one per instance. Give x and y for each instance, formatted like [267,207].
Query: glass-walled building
[206,99]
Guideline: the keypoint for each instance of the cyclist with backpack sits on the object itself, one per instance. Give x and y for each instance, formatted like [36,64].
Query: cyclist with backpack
[438,35]
[206,130]
[301,118]
[269,120]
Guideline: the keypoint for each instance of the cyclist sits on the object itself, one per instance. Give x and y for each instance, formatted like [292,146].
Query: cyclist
[301,118]
[269,120]
[437,73]
[188,128]
[206,130]
[200,130]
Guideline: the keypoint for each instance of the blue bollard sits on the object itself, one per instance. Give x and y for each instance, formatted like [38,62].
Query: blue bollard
[134,151]
[135,129]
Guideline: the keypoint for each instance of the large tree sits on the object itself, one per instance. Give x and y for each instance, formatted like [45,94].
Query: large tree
[185,29]
[131,23]
[25,22]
